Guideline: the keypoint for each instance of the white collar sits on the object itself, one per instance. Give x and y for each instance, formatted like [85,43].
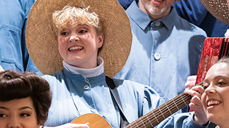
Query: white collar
[92,72]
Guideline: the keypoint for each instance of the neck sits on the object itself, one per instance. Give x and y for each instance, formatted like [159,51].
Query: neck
[91,72]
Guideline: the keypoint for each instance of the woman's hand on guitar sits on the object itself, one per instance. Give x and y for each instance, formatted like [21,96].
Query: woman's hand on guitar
[196,104]
[70,125]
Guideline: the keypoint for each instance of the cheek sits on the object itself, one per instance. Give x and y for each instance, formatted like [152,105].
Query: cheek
[61,40]
[225,96]
[61,43]
[85,36]
[3,123]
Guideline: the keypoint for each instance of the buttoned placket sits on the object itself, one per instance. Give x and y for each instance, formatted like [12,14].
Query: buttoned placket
[78,103]
[87,87]
[155,53]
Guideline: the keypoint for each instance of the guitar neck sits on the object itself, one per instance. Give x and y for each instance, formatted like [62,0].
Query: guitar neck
[154,117]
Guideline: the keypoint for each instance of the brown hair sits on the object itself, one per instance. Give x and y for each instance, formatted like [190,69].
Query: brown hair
[15,85]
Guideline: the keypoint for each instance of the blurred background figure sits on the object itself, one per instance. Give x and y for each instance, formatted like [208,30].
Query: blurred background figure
[194,12]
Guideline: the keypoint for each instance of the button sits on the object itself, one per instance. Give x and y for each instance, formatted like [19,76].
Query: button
[86,87]
[157,23]
[157,56]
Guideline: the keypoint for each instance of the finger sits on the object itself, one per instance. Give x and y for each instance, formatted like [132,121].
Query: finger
[194,91]
[198,89]
[191,80]
[195,103]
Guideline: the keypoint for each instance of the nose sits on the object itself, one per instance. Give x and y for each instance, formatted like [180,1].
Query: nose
[73,38]
[14,123]
[210,89]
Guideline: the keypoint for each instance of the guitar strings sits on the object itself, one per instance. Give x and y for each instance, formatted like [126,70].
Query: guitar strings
[178,102]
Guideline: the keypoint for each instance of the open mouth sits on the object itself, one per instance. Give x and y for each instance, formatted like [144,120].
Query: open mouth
[75,48]
[213,103]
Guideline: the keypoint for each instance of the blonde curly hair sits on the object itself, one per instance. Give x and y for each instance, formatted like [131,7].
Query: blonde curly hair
[74,15]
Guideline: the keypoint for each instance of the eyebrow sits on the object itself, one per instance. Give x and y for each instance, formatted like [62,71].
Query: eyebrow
[1,107]
[25,107]
[22,108]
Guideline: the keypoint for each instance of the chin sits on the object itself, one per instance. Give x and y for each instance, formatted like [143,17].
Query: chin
[214,118]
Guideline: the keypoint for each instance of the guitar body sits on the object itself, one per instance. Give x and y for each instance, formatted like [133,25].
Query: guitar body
[93,120]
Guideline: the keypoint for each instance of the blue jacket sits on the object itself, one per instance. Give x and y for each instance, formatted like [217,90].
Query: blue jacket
[74,95]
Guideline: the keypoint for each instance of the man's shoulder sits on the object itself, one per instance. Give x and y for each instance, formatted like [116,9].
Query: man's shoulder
[184,24]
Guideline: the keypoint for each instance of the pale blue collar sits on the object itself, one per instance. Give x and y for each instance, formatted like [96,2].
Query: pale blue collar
[92,72]
[143,20]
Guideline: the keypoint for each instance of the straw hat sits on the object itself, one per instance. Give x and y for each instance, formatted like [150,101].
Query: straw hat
[41,38]
[218,8]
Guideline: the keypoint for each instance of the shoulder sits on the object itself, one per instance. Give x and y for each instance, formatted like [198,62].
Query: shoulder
[54,78]
[128,84]
[186,25]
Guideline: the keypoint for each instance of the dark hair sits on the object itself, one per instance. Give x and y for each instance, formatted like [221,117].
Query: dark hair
[15,85]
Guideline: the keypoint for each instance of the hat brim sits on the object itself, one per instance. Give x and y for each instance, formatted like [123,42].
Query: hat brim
[41,38]
[218,8]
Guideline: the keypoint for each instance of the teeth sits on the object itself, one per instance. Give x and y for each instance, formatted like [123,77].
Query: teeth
[212,102]
[76,48]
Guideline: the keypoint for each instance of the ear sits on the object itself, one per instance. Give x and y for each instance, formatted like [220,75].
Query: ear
[100,40]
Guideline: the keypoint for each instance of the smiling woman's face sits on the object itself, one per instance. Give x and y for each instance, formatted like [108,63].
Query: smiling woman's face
[78,45]
[18,113]
[216,96]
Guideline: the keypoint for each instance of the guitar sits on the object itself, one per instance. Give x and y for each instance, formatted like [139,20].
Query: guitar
[146,121]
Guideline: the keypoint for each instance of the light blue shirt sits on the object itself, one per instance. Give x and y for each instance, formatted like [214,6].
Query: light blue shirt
[13,51]
[164,52]
[74,94]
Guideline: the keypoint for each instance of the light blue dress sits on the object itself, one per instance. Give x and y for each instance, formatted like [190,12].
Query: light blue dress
[164,52]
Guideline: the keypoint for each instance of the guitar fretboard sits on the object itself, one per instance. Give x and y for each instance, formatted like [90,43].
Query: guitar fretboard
[154,117]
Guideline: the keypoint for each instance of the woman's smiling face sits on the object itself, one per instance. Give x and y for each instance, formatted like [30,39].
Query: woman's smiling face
[78,45]
[216,96]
